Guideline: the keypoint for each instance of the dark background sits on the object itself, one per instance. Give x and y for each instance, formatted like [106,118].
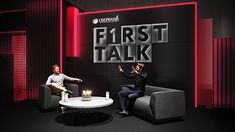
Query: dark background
[172,63]
[41,21]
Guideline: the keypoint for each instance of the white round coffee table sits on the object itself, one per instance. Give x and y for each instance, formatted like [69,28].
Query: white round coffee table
[95,102]
[82,111]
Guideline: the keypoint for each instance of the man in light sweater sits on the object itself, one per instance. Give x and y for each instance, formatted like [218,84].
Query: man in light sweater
[55,81]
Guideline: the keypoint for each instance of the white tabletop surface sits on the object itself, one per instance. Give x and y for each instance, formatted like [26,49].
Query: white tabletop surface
[95,102]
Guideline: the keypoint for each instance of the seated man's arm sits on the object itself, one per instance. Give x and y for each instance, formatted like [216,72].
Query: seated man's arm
[131,76]
[48,82]
[71,78]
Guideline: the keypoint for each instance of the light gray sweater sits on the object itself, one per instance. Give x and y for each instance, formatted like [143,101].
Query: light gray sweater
[58,79]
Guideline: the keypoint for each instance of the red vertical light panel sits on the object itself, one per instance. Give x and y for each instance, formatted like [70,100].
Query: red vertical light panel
[19,68]
[72,36]
[205,63]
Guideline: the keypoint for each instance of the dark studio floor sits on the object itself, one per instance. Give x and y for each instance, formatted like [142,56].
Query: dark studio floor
[28,117]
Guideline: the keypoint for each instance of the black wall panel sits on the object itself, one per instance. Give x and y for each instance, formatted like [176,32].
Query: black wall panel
[43,42]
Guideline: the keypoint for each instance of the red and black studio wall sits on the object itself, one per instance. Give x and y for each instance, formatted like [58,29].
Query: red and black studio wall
[172,63]
[224,56]
[216,54]
[40,22]
[223,73]
[6,70]
[30,43]
[44,42]
[13,52]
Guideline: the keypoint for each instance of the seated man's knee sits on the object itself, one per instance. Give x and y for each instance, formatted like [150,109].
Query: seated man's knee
[123,88]
[133,96]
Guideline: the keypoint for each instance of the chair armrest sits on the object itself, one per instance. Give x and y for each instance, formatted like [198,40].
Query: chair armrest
[44,96]
[127,85]
[167,104]
[74,88]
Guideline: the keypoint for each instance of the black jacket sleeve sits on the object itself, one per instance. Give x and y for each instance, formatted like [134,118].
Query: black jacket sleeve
[131,76]
[144,75]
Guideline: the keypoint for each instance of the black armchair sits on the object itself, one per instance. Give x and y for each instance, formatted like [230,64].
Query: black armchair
[48,100]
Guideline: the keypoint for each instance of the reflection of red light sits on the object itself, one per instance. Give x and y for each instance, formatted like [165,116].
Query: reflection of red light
[195,33]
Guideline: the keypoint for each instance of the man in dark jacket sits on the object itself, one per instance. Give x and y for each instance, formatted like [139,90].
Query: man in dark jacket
[131,93]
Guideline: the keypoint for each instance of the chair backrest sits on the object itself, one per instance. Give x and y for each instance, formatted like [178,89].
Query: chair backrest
[150,89]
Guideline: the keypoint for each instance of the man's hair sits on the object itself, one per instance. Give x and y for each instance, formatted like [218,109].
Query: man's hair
[141,65]
[53,67]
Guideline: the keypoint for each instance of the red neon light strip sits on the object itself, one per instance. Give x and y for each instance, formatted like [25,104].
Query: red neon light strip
[20,31]
[11,11]
[195,59]
[61,36]
[139,8]
[195,34]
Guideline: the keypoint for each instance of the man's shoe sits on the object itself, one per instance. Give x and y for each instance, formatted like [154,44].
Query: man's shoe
[123,113]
